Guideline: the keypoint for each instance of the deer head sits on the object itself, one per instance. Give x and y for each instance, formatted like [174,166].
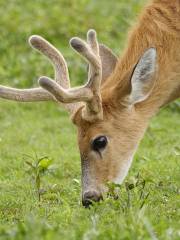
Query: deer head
[109,125]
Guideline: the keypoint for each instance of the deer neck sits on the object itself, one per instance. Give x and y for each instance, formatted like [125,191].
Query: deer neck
[166,39]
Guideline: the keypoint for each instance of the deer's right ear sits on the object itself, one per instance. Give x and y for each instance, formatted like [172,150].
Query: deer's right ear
[108,60]
[143,78]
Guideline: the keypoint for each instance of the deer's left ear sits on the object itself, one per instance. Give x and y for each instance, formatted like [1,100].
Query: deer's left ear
[143,78]
[108,60]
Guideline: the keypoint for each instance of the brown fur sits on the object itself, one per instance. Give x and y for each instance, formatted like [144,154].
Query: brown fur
[158,27]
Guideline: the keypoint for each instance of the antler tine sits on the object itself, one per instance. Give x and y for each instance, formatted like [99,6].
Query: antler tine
[85,50]
[25,95]
[57,59]
[71,95]
[92,40]
[90,51]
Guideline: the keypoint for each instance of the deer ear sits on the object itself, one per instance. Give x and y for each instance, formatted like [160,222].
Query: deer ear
[108,60]
[142,80]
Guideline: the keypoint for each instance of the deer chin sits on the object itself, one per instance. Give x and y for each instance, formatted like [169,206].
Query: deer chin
[123,171]
[124,167]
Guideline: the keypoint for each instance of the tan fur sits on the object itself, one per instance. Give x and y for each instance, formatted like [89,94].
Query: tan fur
[159,27]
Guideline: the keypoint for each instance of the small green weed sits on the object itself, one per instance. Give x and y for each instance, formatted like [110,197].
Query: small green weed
[37,170]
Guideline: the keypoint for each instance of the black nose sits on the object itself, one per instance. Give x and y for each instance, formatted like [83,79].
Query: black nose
[90,197]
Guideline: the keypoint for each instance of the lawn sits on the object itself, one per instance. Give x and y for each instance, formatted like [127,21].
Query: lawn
[149,203]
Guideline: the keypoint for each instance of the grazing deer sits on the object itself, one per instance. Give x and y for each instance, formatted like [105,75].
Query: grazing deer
[113,109]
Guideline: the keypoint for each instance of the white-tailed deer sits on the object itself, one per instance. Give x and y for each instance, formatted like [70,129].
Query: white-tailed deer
[113,109]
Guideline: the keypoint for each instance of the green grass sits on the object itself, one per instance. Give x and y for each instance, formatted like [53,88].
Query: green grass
[147,211]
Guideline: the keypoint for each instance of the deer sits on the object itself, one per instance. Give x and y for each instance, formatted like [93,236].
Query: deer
[112,110]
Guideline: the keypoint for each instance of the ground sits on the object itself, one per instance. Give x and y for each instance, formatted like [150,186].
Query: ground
[148,207]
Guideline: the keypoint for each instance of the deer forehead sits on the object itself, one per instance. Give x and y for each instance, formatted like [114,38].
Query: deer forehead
[109,127]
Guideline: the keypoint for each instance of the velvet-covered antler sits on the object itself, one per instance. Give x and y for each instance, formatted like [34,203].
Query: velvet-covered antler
[90,92]
[59,90]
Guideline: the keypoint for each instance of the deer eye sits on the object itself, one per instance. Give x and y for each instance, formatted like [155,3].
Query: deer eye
[99,143]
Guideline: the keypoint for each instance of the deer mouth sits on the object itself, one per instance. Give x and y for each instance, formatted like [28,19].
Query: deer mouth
[91,197]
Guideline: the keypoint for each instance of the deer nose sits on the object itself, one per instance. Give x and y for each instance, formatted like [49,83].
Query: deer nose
[90,197]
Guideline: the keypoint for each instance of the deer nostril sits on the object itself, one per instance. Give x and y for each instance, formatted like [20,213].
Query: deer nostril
[90,197]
